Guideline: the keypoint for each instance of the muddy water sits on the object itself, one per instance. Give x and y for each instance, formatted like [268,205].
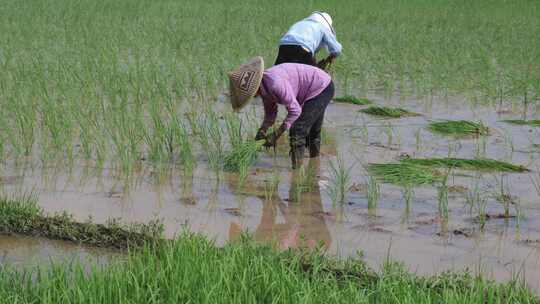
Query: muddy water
[28,252]
[300,211]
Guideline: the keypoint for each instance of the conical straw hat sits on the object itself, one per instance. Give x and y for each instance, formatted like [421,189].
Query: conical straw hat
[245,81]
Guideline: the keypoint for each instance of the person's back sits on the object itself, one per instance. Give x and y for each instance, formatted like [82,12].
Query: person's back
[307,37]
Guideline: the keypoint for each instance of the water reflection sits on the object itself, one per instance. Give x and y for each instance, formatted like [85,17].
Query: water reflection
[299,220]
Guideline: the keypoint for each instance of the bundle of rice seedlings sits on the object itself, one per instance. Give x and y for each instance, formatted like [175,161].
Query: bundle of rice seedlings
[387,112]
[468,164]
[242,156]
[458,127]
[403,174]
[353,100]
[521,122]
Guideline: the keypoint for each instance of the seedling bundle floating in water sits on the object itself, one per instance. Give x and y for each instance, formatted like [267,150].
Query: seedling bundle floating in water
[353,100]
[388,112]
[521,122]
[403,174]
[458,128]
[467,164]
[416,171]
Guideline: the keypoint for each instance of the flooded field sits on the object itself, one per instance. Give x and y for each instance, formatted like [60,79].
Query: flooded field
[26,252]
[490,225]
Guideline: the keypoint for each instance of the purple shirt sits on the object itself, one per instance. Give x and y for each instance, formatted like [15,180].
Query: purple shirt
[290,84]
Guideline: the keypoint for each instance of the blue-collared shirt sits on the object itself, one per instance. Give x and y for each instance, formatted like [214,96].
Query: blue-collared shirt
[311,35]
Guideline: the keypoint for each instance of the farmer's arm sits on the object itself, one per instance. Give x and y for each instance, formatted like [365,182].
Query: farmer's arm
[270,114]
[334,47]
[287,98]
[284,93]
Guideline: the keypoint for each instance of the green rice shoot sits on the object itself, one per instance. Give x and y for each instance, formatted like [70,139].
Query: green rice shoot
[243,156]
[467,164]
[458,128]
[403,174]
[387,112]
[522,122]
[353,100]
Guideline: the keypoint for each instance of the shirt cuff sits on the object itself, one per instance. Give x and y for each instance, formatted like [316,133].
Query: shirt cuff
[286,125]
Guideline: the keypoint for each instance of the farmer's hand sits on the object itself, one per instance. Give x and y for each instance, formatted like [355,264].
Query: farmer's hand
[272,139]
[261,134]
[323,64]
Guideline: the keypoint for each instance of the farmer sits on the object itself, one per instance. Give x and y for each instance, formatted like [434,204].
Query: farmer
[307,37]
[304,90]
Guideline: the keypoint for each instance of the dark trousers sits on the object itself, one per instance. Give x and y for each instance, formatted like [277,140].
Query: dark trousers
[306,130]
[294,54]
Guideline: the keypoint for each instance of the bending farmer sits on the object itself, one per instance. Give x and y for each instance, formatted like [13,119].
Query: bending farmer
[307,37]
[304,90]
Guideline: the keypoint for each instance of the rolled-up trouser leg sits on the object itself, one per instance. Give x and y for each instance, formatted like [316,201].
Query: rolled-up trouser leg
[306,130]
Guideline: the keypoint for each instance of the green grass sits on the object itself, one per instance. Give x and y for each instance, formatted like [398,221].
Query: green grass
[110,80]
[22,215]
[521,122]
[353,100]
[467,164]
[403,174]
[193,270]
[458,128]
[387,112]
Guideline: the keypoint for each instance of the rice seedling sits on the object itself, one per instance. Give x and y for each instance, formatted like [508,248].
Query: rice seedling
[373,194]
[388,130]
[466,164]
[418,140]
[271,185]
[340,180]
[242,157]
[353,100]
[387,112]
[503,195]
[458,128]
[477,202]
[404,174]
[522,122]
[408,196]
[303,181]
[480,147]
[442,198]
[234,130]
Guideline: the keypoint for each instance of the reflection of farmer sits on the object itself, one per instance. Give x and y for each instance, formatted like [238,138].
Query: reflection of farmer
[302,224]
[306,37]
[304,90]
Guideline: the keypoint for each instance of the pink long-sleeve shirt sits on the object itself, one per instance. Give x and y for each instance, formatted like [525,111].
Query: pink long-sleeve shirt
[291,85]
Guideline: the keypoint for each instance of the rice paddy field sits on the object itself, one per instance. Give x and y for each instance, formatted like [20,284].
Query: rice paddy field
[115,130]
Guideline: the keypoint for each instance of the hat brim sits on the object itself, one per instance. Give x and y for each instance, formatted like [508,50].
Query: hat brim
[244,82]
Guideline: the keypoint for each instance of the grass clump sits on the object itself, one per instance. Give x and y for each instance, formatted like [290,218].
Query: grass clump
[23,216]
[387,112]
[193,269]
[242,156]
[467,164]
[403,174]
[522,122]
[458,128]
[353,100]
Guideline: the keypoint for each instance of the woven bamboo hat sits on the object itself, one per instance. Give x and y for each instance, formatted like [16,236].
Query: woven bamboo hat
[245,81]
